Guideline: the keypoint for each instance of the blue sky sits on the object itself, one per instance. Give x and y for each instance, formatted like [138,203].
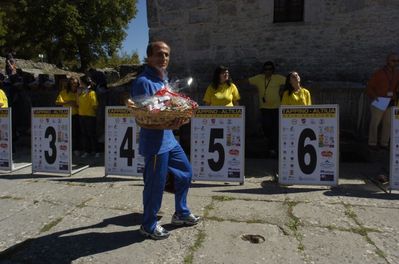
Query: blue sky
[137,33]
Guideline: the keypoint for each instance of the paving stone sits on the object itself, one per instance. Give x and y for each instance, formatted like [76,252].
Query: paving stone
[388,243]
[251,211]
[323,214]
[227,246]
[322,245]
[382,219]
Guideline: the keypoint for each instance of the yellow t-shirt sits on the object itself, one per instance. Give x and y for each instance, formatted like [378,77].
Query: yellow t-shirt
[3,99]
[64,97]
[87,103]
[224,95]
[301,97]
[271,95]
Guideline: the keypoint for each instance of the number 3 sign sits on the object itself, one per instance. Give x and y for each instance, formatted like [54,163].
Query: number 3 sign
[51,140]
[308,149]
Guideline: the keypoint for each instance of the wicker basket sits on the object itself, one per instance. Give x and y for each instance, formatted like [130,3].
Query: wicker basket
[162,119]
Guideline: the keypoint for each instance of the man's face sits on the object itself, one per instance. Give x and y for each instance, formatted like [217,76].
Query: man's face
[268,70]
[160,56]
[393,61]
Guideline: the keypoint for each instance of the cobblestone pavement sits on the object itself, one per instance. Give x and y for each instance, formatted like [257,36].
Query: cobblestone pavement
[89,218]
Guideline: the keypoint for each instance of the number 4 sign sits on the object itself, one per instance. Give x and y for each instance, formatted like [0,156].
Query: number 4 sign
[308,149]
[121,143]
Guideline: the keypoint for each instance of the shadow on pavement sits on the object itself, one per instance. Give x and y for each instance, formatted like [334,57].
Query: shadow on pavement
[63,247]
[99,179]
[271,187]
[361,191]
[209,185]
[27,176]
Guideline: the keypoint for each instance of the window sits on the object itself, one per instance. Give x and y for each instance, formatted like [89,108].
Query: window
[288,10]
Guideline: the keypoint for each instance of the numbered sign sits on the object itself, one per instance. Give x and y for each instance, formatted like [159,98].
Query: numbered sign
[51,140]
[217,144]
[308,147]
[121,143]
[394,153]
[5,140]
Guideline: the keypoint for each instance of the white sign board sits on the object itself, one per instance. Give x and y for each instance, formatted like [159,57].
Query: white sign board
[51,140]
[217,144]
[5,140]
[308,145]
[121,143]
[394,153]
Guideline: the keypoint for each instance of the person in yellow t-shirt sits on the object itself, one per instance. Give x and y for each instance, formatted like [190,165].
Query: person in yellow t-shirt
[68,97]
[87,102]
[294,94]
[268,84]
[222,91]
[3,99]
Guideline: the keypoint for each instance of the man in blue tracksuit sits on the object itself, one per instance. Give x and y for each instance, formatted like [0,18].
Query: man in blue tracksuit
[162,153]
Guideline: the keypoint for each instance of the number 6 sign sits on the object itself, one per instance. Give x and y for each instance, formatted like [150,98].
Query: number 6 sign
[308,149]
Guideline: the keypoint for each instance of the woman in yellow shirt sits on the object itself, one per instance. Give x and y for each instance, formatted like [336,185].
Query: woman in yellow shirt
[87,103]
[222,91]
[294,94]
[3,99]
[68,97]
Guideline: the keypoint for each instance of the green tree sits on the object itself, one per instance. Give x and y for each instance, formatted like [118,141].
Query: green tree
[117,59]
[3,29]
[69,29]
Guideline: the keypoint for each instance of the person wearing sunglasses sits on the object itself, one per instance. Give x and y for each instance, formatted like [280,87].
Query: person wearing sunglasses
[269,85]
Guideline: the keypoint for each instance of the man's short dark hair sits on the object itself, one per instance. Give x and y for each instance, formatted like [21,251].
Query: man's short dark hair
[151,45]
[269,64]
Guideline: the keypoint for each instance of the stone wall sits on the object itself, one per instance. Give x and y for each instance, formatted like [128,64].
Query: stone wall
[338,40]
[335,49]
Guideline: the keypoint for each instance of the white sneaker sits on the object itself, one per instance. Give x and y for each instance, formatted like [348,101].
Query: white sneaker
[84,155]
[97,155]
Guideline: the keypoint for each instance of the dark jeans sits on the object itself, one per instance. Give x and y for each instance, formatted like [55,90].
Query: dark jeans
[76,144]
[270,127]
[88,133]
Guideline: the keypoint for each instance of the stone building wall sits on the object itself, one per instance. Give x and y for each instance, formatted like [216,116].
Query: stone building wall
[338,40]
[335,49]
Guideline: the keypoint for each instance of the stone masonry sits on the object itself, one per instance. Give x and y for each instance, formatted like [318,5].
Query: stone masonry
[337,46]
[338,40]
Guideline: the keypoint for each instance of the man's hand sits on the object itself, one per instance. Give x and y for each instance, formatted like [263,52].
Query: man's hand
[130,103]
[178,122]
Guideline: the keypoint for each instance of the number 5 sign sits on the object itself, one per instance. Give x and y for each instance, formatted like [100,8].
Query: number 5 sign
[308,149]
[217,144]
[121,143]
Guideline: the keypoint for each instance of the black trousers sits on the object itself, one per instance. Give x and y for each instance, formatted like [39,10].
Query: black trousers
[269,119]
[76,144]
[88,133]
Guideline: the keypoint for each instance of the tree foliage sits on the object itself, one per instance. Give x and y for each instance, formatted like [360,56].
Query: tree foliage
[3,29]
[67,30]
[117,59]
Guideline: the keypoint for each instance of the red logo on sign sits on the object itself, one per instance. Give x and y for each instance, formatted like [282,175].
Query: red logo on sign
[234,152]
[326,153]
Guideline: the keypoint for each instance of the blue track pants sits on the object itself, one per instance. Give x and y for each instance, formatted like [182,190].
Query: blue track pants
[156,168]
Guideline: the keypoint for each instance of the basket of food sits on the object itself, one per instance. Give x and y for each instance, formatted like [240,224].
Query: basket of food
[165,110]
